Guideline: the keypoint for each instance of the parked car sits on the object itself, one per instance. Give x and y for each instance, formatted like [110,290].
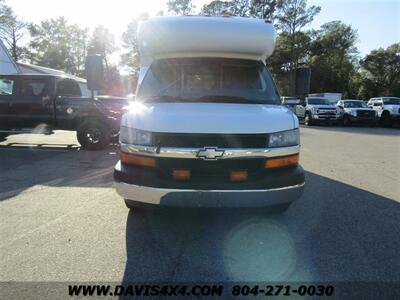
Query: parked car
[290,102]
[314,110]
[208,128]
[356,111]
[387,109]
[41,103]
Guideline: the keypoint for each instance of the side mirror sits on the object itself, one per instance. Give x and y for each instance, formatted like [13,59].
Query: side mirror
[94,72]
[303,78]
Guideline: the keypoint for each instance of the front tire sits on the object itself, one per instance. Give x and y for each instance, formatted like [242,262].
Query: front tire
[386,120]
[307,119]
[346,120]
[93,135]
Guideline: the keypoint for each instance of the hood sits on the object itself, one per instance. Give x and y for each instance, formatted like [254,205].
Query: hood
[209,118]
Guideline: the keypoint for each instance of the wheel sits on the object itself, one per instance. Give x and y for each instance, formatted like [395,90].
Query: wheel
[346,120]
[386,120]
[93,135]
[307,119]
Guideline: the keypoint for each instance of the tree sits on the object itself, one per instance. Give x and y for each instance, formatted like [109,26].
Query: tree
[216,8]
[280,61]
[102,42]
[380,73]
[293,16]
[180,7]
[333,57]
[263,9]
[232,7]
[12,30]
[59,45]
[130,58]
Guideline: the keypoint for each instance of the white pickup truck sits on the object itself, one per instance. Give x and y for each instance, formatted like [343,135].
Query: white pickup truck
[207,127]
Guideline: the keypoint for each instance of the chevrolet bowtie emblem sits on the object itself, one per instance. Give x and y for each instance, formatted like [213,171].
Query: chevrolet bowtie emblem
[210,153]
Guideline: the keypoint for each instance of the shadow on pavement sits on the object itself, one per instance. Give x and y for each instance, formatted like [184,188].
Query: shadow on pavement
[21,169]
[335,232]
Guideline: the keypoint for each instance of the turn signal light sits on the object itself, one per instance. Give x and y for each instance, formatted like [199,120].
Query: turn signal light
[282,162]
[181,174]
[137,160]
[239,175]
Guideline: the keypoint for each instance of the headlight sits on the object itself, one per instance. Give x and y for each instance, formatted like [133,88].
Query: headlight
[134,136]
[353,113]
[284,138]
[314,110]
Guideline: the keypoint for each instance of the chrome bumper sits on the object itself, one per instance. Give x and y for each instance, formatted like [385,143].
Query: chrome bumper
[325,117]
[209,198]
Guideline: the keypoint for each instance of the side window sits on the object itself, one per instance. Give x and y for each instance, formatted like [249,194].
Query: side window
[34,88]
[6,87]
[378,103]
[68,87]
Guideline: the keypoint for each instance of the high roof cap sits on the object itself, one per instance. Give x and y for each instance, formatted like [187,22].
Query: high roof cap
[202,36]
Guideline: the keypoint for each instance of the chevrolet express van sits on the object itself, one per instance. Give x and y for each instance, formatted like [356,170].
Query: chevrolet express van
[207,127]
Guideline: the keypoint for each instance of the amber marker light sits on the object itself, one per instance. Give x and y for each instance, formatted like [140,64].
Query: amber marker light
[239,175]
[137,160]
[181,174]
[282,161]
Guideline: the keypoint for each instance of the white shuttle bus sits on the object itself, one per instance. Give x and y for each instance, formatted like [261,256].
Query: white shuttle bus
[207,128]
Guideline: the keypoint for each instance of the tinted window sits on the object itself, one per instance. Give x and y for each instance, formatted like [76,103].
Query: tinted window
[33,88]
[354,104]
[208,80]
[6,86]
[68,87]
[392,101]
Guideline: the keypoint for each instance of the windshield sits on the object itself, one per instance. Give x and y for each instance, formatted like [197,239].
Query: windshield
[208,80]
[354,104]
[392,101]
[318,101]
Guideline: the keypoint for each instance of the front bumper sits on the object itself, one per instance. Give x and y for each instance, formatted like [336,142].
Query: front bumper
[209,198]
[357,119]
[275,187]
[325,118]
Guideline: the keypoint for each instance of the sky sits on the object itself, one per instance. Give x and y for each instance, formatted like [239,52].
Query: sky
[377,21]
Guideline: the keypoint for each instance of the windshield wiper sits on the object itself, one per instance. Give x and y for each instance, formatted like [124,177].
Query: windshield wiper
[229,99]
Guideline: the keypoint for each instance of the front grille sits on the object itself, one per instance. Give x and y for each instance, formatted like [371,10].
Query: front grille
[216,168]
[365,113]
[213,140]
[326,112]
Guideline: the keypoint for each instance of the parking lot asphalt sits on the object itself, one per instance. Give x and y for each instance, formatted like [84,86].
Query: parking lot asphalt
[61,219]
